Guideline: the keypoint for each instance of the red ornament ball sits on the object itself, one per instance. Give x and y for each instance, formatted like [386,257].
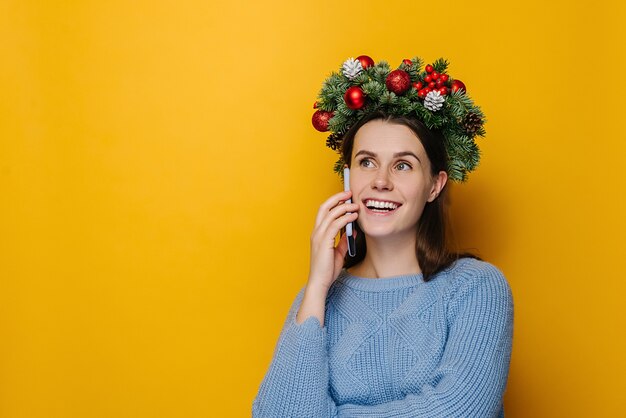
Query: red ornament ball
[365,61]
[457,85]
[320,120]
[398,81]
[429,68]
[354,98]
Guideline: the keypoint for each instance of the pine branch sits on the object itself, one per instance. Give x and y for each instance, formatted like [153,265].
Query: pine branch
[338,167]
[328,107]
[388,98]
[373,89]
[343,109]
[440,65]
[417,62]
[361,78]
[380,71]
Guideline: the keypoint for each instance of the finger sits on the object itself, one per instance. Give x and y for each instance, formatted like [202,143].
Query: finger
[330,203]
[335,218]
[330,227]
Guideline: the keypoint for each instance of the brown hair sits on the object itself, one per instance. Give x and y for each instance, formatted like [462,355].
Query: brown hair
[433,254]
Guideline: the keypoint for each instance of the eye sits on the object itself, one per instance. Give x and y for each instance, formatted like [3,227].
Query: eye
[366,162]
[403,166]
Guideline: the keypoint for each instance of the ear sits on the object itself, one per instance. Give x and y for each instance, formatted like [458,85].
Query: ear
[439,181]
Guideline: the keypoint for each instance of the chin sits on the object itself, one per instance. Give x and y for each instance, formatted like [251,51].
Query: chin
[385,231]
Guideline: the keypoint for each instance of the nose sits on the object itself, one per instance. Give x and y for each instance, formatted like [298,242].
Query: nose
[382,181]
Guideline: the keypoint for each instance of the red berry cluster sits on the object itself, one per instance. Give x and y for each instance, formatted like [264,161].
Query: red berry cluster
[435,81]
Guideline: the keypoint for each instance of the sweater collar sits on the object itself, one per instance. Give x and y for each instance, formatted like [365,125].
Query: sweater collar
[386,283]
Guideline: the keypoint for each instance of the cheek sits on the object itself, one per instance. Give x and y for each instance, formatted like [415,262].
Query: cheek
[357,180]
[420,195]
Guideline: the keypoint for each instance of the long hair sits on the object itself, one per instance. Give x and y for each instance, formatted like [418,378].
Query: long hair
[433,254]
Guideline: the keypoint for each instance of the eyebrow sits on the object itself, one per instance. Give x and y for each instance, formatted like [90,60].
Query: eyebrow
[396,155]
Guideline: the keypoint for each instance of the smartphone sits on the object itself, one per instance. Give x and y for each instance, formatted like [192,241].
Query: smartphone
[349,226]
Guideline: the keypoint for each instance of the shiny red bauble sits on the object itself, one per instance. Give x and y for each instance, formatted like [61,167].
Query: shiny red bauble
[365,61]
[320,120]
[354,98]
[398,81]
[429,68]
[457,85]
[444,77]
[418,86]
[443,90]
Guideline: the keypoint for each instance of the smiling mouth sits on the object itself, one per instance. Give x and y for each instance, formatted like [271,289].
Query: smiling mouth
[381,206]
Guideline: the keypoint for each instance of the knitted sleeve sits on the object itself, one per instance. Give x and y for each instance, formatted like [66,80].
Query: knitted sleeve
[471,377]
[296,383]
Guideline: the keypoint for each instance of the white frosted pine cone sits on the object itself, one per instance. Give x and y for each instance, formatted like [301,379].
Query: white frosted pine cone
[434,101]
[351,68]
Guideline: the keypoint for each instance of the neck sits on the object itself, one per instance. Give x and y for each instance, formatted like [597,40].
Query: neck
[388,257]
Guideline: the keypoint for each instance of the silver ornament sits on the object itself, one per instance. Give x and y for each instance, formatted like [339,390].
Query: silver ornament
[351,68]
[434,101]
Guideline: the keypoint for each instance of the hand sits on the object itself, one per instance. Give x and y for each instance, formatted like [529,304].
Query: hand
[326,259]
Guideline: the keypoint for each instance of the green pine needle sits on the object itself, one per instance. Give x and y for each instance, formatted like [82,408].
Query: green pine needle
[440,65]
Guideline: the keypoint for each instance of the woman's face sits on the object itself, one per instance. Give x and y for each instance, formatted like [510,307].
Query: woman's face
[390,177]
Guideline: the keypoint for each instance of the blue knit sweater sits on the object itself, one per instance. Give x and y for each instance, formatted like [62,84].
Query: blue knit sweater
[396,347]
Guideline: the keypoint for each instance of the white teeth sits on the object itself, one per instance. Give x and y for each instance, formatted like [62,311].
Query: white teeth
[381,205]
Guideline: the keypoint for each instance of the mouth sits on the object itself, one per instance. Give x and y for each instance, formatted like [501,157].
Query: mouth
[381,206]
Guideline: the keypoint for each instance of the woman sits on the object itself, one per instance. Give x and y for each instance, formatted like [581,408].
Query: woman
[405,329]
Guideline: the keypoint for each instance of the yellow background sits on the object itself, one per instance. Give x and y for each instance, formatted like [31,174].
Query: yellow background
[159,179]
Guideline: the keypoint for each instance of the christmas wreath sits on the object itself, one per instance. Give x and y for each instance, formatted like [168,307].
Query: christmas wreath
[430,94]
